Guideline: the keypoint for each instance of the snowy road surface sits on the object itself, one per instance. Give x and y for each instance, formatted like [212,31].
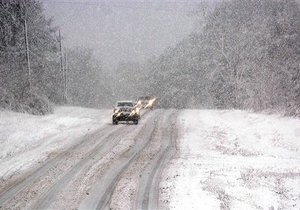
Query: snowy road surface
[115,167]
[234,160]
[192,159]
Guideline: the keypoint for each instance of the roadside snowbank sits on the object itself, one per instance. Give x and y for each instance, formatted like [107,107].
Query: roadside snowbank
[27,140]
[235,160]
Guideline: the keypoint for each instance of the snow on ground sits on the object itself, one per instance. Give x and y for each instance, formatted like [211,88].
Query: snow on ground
[235,160]
[27,140]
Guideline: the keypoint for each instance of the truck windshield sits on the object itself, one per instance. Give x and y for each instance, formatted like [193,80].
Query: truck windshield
[125,104]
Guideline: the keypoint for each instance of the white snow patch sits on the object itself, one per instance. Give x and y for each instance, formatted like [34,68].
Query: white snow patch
[27,139]
[236,160]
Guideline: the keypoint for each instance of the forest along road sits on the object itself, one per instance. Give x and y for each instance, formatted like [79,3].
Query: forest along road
[116,167]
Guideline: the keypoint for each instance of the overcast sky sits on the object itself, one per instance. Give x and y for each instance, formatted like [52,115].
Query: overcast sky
[122,30]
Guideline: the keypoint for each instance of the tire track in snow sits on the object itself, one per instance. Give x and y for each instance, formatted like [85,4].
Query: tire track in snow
[101,196]
[148,192]
[13,195]
[46,186]
[97,153]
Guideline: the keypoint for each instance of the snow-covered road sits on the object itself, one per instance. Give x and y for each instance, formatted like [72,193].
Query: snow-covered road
[235,160]
[27,140]
[192,159]
[115,167]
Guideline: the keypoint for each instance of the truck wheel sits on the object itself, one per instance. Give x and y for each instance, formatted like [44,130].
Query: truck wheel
[136,122]
[114,121]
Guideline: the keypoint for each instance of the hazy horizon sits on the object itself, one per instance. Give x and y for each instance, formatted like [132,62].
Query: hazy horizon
[122,31]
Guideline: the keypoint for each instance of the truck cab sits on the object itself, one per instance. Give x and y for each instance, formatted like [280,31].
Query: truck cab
[125,111]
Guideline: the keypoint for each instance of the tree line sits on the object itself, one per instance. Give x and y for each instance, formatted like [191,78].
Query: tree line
[33,67]
[246,56]
[24,80]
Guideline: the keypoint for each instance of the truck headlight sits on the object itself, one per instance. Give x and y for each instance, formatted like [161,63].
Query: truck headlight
[133,112]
